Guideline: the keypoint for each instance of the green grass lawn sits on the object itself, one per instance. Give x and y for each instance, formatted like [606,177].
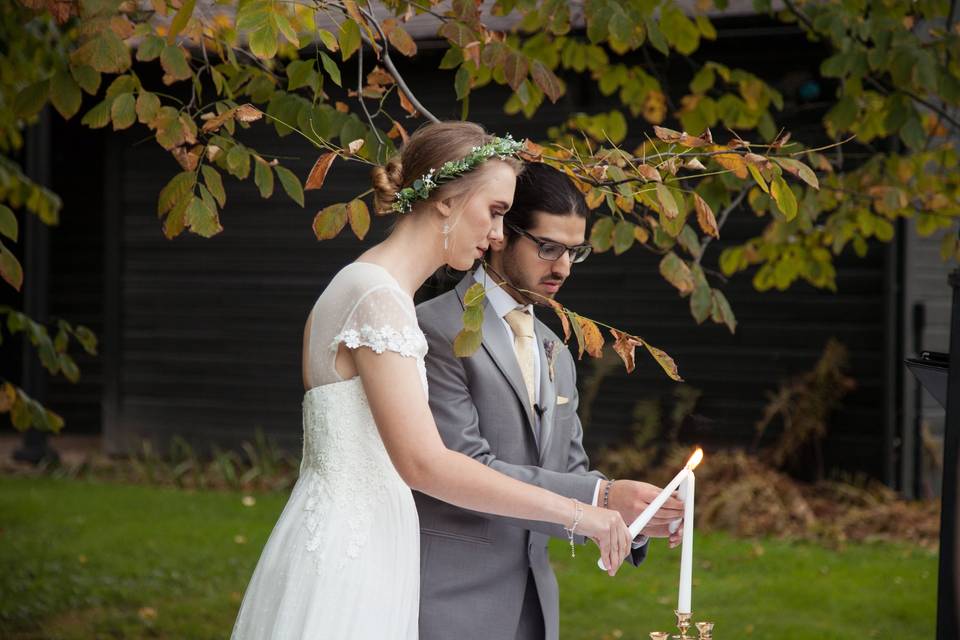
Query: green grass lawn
[86,560]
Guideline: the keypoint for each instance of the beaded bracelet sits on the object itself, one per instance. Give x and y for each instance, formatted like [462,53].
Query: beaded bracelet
[606,494]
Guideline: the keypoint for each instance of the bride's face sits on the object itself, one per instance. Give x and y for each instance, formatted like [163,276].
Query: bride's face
[480,219]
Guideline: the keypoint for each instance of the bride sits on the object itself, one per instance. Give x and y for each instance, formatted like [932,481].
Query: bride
[342,561]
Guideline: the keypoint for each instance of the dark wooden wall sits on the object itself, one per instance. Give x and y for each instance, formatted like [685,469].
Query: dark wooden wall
[203,336]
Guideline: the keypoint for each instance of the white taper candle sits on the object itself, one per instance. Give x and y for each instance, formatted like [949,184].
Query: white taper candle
[686,551]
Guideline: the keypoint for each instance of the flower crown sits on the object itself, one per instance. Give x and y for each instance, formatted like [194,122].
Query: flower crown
[420,189]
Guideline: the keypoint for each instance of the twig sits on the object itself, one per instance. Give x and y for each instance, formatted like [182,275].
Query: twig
[722,221]
[363,105]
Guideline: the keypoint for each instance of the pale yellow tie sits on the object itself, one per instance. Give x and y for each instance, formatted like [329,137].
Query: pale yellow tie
[521,323]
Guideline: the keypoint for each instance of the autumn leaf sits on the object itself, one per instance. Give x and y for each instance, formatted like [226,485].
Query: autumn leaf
[800,170]
[397,131]
[648,173]
[359,216]
[248,113]
[665,361]
[667,135]
[592,338]
[407,105]
[319,171]
[676,272]
[213,122]
[546,80]
[625,345]
[329,221]
[399,37]
[734,162]
[531,151]
[705,217]
[354,146]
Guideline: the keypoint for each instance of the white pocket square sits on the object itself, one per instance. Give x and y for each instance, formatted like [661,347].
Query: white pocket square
[562,399]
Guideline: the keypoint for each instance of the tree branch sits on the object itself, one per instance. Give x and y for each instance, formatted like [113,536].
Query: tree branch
[388,63]
[363,105]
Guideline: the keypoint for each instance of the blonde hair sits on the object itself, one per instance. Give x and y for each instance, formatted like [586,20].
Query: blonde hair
[430,147]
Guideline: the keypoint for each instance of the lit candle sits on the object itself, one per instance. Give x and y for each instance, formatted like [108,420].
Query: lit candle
[686,551]
[647,514]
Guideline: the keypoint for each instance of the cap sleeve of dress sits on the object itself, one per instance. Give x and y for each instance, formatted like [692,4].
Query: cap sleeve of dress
[382,319]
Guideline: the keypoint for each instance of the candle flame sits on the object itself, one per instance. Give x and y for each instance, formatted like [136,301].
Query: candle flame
[695,459]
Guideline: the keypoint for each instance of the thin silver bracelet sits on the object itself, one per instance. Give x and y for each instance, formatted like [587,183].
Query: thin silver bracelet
[578,515]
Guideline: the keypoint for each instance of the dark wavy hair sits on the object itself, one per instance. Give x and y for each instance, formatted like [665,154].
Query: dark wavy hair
[540,187]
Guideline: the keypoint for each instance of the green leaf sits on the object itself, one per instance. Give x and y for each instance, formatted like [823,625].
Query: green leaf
[800,170]
[201,219]
[331,68]
[701,301]
[98,116]
[349,39]
[10,268]
[211,177]
[174,62]
[31,99]
[601,234]
[623,237]
[105,52]
[263,178]
[689,240]
[330,221]
[475,295]
[123,111]
[675,271]
[720,310]
[328,40]
[783,196]
[667,201]
[291,184]
[461,82]
[150,48]
[263,41]
[65,94]
[174,192]
[180,20]
[8,223]
[87,77]
[473,317]
[300,73]
[466,343]
[655,36]
[238,161]
[283,24]
[148,106]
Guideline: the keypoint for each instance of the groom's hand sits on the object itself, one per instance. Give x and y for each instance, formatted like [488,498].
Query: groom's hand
[630,498]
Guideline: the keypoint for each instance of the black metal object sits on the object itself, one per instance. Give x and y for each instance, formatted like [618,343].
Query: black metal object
[948,606]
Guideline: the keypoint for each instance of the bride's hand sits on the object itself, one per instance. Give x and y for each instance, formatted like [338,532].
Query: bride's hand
[607,529]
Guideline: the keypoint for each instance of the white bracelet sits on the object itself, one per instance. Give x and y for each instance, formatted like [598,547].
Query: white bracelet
[578,515]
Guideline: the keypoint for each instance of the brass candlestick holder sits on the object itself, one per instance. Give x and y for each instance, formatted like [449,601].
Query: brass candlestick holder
[704,629]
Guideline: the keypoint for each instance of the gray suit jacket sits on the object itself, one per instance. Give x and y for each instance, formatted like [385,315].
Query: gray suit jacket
[474,566]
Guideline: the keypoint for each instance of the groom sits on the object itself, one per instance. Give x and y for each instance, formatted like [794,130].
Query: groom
[512,405]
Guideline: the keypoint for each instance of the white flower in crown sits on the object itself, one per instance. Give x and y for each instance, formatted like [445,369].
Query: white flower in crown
[420,189]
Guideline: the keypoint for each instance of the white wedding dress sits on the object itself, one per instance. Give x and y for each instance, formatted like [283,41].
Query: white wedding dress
[343,561]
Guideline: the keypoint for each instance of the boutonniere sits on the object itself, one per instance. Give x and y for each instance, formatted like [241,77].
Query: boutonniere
[550,350]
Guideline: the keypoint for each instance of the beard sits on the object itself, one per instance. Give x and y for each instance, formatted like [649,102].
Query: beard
[521,281]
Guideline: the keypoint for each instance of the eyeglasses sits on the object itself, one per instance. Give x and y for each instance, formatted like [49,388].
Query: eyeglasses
[550,250]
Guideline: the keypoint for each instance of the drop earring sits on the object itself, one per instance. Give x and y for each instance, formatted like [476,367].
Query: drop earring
[446,235]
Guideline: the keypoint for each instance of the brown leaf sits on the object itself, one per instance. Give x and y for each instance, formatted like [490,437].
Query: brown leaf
[648,173]
[341,107]
[592,338]
[515,69]
[214,122]
[407,105]
[625,345]
[564,321]
[665,361]
[471,52]
[547,80]
[379,77]
[187,159]
[121,26]
[399,37]
[667,135]
[705,217]
[319,171]
[688,140]
[397,131]
[531,151]
[8,396]
[695,164]
[354,146]
[248,113]
[757,160]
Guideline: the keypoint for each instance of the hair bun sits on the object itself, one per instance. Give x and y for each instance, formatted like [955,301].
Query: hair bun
[387,181]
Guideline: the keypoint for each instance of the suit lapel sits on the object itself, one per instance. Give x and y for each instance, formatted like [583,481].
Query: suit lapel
[548,394]
[500,348]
